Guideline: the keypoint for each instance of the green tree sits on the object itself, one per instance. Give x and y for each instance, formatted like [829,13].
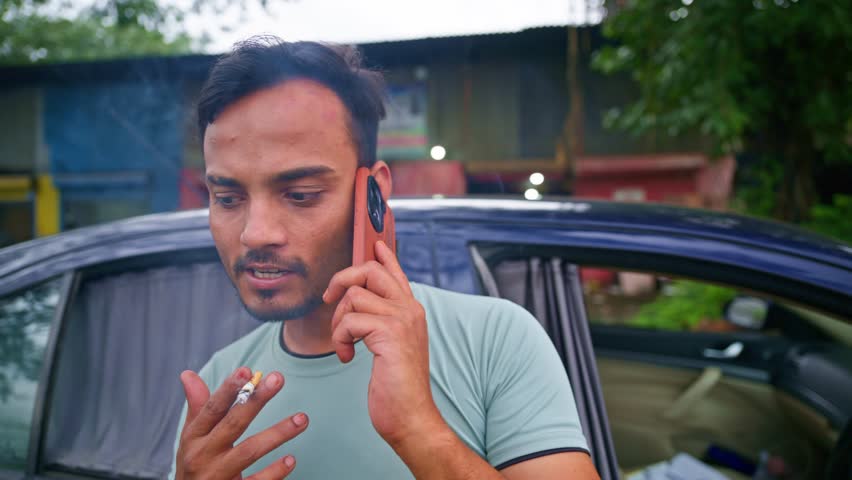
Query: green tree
[770,78]
[685,305]
[38,31]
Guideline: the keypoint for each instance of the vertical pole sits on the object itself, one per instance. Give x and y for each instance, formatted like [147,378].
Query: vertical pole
[576,92]
[46,206]
[571,144]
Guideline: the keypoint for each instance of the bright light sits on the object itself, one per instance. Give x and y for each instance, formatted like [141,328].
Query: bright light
[438,152]
[532,194]
[536,178]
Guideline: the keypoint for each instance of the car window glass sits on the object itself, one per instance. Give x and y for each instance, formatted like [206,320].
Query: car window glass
[657,301]
[25,320]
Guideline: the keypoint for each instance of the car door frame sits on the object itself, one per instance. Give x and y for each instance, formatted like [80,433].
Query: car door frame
[739,265]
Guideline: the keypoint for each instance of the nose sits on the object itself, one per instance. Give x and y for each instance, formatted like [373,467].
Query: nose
[264,226]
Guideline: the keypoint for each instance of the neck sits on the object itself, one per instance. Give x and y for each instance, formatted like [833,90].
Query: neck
[311,334]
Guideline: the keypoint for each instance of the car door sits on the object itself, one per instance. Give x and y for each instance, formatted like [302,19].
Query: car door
[132,327]
[111,324]
[726,396]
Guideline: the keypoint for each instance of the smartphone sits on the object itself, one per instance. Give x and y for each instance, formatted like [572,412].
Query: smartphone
[373,219]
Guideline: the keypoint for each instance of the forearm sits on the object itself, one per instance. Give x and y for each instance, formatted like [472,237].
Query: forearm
[442,455]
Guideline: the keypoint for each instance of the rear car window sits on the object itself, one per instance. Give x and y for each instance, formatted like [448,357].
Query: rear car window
[25,321]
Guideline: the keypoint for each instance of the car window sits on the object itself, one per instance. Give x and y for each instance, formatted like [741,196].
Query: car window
[130,330]
[657,301]
[25,320]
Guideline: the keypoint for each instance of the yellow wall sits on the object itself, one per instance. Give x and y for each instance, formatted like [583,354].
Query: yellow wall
[15,188]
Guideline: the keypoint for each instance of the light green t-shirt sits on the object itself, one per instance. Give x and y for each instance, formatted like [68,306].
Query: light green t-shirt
[495,376]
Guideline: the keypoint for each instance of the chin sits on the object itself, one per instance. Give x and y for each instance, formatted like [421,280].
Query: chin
[267,309]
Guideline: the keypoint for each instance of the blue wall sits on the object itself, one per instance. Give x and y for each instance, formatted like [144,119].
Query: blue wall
[116,141]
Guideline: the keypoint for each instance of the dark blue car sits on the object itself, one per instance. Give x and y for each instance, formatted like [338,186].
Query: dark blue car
[684,332]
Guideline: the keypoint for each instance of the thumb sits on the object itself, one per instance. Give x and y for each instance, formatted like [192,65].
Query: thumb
[196,392]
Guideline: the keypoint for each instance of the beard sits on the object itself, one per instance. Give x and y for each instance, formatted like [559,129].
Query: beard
[282,313]
[265,308]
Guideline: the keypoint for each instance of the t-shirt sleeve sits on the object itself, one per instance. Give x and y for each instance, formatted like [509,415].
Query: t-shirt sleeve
[208,374]
[529,402]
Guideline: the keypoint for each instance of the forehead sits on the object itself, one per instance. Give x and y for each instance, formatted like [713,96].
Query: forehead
[293,112]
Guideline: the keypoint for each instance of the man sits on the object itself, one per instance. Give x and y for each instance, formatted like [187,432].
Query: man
[424,383]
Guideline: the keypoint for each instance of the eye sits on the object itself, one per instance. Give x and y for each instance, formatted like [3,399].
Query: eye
[227,201]
[302,198]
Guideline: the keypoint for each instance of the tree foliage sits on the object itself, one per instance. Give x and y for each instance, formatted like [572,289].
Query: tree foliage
[37,31]
[834,220]
[684,305]
[770,78]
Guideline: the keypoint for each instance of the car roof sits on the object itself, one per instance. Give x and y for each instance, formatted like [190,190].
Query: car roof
[645,217]
[189,229]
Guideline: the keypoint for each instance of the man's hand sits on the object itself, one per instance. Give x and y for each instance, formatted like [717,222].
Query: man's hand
[377,305]
[207,450]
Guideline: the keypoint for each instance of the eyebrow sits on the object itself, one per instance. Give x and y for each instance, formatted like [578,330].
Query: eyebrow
[283,177]
[304,172]
[222,181]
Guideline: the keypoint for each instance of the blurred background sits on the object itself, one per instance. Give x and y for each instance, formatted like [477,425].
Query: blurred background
[739,105]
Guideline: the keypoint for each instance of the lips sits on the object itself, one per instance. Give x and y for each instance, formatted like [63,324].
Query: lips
[267,276]
[267,273]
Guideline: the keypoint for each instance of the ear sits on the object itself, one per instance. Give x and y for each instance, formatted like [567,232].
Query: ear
[381,172]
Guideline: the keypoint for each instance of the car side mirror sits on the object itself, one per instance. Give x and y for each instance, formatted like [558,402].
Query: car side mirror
[747,312]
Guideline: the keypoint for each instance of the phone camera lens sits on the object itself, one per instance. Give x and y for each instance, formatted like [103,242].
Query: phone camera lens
[375,205]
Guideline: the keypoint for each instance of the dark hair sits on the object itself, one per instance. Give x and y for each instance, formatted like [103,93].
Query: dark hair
[265,61]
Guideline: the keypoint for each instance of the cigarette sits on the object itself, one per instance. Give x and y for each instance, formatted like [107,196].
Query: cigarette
[248,388]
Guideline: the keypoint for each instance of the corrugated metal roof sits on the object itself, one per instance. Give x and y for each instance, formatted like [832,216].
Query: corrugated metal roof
[537,41]
[475,34]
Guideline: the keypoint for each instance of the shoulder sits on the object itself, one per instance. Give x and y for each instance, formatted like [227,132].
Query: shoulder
[446,307]
[458,321]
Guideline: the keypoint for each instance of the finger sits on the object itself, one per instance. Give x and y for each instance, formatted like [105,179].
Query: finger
[196,393]
[238,418]
[370,275]
[279,469]
[358,299]
[253,448]
[218,404]
[388,259]
[353,327]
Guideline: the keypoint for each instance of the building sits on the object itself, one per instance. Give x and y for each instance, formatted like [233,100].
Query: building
[89,142]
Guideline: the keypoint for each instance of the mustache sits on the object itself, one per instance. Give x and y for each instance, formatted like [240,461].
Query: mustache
[294,265]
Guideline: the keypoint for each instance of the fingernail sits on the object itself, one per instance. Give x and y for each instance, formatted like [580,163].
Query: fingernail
[289,461]
[243,373]
[300,419]
[272,380]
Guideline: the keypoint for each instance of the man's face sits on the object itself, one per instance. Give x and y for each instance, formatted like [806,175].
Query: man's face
[280,170]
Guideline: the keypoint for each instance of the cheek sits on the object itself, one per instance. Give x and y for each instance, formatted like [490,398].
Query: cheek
[226,236]
[330,241]
[334,231]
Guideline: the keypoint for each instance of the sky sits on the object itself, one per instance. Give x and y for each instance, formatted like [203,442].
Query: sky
[364,21]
